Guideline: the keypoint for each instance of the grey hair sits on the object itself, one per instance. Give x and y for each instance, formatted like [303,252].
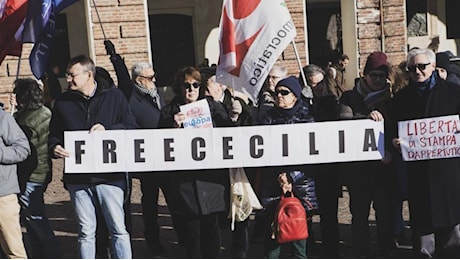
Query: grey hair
[281,69]
[429,54]
[312,69]
[138,67]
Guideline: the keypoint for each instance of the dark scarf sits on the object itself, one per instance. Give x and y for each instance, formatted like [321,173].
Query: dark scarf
[372,98]
[424,88]
[297,114]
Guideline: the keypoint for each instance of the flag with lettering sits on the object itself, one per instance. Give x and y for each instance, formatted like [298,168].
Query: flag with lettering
[40,29]
[253,34]
[12,15]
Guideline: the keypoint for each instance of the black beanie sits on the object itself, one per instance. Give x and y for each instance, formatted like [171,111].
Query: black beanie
[293,84]
[442,60]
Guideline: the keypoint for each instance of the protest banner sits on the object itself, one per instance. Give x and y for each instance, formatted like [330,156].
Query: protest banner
[430,138]
[227,147]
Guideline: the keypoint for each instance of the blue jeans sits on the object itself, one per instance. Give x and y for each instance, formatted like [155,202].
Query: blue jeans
[42,239]
[109,198]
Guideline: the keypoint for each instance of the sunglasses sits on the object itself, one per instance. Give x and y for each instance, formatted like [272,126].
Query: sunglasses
[283,92]
[420,66]
[187,85]
[150,78]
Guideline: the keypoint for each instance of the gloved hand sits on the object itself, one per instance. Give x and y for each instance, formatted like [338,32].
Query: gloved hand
[237,109]
[109,47]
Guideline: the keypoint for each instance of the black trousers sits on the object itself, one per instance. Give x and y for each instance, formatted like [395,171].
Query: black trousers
[328,191]
[150,187]
[365,187]
[200,235]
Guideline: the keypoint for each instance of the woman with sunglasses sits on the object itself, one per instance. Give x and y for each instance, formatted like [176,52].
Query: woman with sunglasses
[196,197]
[370,181]
[289,108]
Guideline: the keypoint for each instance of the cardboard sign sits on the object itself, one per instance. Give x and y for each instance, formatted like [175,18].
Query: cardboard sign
[430,138]
[197,114]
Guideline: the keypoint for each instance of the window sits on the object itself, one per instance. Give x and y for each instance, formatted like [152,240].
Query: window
[416,18]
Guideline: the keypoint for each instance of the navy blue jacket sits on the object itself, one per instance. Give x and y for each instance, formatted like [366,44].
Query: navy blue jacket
[301,177]
[144,109]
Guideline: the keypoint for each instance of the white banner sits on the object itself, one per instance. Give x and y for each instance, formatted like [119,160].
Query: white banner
[230,147]
[430,138]
[253,34]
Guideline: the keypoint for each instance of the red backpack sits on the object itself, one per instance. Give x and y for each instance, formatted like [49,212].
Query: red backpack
[290,222]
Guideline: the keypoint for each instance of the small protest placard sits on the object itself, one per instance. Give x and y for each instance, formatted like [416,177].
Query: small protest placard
[197,114]
[430,138]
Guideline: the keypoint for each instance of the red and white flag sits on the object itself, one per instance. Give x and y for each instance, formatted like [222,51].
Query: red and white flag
[12,16]
[253,34]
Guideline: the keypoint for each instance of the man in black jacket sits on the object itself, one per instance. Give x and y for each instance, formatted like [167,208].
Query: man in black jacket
[146,104]
[433,185]
[92,104]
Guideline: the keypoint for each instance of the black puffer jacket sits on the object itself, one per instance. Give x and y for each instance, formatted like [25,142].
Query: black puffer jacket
[301,176]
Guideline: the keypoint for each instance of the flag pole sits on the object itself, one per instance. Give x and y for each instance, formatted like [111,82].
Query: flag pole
[99,19]
[18,69]
[304,79]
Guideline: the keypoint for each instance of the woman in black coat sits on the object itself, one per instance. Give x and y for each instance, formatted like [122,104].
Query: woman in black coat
[196,197]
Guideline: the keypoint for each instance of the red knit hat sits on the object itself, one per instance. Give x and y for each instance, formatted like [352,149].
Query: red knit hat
[376,61]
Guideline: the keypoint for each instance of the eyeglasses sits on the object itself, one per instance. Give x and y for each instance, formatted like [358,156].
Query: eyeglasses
[283,92]
[150,78]
[188,86]
[420,66]
[70,75]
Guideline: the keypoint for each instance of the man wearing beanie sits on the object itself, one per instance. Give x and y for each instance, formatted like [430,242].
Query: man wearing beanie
[370,181]
[433,185]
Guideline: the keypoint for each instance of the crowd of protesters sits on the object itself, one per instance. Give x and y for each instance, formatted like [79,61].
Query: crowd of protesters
[425,85]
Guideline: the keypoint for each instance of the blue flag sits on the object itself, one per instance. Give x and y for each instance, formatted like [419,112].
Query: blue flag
[41,30]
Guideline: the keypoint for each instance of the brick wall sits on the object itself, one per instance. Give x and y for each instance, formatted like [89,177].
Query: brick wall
[288,58]
[369,29]
[125,25]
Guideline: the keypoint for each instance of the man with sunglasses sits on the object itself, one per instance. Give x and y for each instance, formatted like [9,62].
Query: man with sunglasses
[146,103]
[433,185]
